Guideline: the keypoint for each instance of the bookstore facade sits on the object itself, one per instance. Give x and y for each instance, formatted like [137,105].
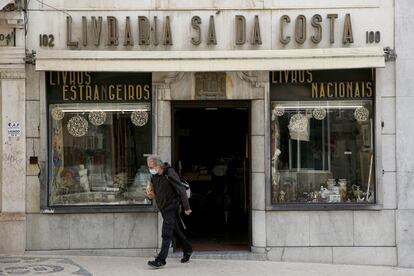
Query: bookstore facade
[275,117]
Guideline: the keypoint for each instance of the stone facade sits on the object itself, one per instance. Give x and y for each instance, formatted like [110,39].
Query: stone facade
[13,147]
[404,99]
[381,235]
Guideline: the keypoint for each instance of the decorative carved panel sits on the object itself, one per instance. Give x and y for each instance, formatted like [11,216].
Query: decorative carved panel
[210,85]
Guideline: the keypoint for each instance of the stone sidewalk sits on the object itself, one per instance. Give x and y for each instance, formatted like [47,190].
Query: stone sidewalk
[120,266]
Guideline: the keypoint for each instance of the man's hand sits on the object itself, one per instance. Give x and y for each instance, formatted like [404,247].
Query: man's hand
[188,212]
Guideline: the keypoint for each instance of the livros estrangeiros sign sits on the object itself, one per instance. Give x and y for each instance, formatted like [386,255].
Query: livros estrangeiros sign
[113,31]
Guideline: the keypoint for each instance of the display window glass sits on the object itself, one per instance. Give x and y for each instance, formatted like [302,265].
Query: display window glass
[322,142]
[97,148]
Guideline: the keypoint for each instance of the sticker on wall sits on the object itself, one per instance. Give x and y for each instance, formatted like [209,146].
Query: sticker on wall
[13,129]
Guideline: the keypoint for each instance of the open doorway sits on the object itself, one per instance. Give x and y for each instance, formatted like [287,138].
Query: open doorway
[211,151]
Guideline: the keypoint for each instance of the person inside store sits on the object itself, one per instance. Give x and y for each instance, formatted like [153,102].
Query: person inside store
[166,189]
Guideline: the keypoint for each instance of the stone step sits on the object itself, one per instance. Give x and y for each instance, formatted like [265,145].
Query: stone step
[224,255]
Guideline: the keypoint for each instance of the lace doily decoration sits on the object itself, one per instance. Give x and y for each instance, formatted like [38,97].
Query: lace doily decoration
[298,123]
[361,114]
[97,118]
[139,118]
[77,126]
[57,113]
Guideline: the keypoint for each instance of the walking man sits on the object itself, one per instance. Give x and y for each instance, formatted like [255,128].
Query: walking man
[168,193]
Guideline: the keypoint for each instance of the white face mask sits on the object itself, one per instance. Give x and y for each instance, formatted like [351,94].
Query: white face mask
[153,171]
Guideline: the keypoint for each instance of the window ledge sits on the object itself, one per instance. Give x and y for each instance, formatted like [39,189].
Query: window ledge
[98,209]
[324,207]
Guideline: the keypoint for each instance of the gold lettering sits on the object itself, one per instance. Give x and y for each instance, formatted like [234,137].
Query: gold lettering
[293,76]
[316,23]
[300,29]
[88,92]
[147,92]
[138,91]
[284,39]
[314,90]
[328,90]
[128,37]
[69,41]
[286,75]
[310,76]
[369,89]
[64,77]
[118,90]
[72,78]
[195,24]
[332,17]
[349,89]
[112,33]
[64,91]
[96,93]
[348,36]
[155,32]
[240,30]
[212,39]
[130,92]
[363,89]
[80,92]
[73,90]
[257,38]
[104,92]
[357,94]
[273,77]
[301,76]
[321,91]
[88,78]
[111,93]
[167,32]
[51,79]
[96,30]
[143,30]
[79,77]
[341,89]
[84,31]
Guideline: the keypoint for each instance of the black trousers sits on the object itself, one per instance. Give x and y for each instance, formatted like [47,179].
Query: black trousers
[170,227]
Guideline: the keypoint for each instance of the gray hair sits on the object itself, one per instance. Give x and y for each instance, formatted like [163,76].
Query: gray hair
[156,160]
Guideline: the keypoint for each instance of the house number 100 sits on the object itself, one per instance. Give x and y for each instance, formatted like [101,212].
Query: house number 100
[372,37]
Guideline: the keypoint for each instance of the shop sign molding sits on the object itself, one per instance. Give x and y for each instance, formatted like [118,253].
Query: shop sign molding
[209,61]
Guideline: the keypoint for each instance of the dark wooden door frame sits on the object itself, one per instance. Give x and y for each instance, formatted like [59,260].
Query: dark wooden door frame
[230,104]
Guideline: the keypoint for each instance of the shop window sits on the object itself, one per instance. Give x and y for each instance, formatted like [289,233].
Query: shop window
[98,146]
[322,142]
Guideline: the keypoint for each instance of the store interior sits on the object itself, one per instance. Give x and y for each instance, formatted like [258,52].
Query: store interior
[210,151]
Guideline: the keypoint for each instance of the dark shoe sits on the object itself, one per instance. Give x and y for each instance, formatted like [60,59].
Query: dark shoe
[186,257]
[157,263]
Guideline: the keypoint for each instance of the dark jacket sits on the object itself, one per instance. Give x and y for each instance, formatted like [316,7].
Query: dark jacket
[168,190]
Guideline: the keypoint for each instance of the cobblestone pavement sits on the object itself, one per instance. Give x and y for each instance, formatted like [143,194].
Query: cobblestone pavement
[119,266]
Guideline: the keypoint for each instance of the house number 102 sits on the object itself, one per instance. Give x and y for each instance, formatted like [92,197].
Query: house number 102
[46,40]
